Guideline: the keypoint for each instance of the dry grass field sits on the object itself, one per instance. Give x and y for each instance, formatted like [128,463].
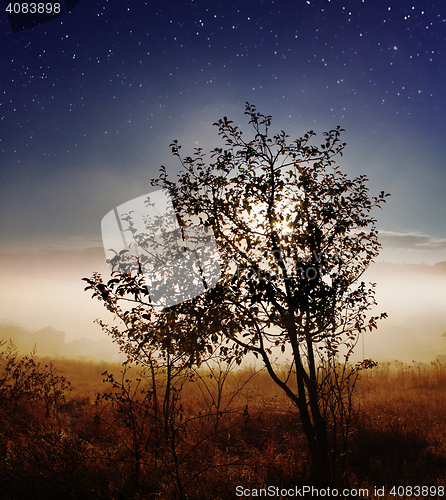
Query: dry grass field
[120,439]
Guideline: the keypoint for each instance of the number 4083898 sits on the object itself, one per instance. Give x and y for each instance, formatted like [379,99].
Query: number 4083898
[417,491]
[33,8]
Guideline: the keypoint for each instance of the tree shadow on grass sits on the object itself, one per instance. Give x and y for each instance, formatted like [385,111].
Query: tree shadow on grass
[394,456]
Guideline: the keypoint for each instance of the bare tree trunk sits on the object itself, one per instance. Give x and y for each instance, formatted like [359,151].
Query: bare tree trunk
[314,425]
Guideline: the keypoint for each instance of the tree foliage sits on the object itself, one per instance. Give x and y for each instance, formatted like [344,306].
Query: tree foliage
[294,236]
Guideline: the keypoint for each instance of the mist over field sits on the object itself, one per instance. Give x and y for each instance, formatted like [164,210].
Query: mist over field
[43,288]
[414,296]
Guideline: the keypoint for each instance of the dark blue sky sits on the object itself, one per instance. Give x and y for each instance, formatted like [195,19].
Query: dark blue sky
[89,103]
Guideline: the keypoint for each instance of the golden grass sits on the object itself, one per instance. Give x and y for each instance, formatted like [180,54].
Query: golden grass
[398,436]
[85,376]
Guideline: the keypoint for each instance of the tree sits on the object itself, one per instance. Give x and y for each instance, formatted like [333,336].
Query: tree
[294,236]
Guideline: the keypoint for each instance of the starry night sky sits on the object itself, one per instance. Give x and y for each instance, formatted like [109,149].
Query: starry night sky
[90,102]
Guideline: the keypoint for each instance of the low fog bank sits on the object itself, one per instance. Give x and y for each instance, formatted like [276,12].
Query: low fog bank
[45,287]
[52,343]
[414,297]
[52,262]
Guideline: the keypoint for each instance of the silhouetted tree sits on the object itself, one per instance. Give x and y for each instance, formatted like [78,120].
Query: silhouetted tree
[294,236]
